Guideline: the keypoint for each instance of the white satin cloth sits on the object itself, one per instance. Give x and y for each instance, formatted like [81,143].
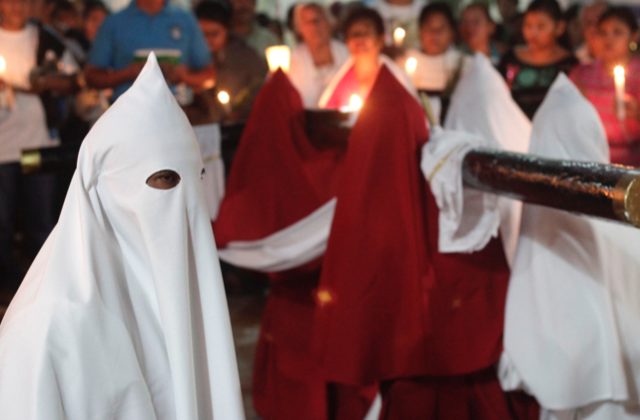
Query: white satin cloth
[293,246]
[213,182]
[309,80]
[482,105]
[468,218]
[572,323]
[123,314]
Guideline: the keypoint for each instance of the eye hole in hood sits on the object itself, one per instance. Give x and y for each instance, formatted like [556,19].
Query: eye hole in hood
[165,179]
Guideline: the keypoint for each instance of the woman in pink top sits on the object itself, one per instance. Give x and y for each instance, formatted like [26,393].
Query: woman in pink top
[618,29]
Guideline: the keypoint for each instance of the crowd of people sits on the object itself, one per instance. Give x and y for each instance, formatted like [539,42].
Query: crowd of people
[62,67]
[66,67]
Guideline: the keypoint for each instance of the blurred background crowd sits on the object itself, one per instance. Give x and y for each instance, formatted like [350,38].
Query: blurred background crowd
[63,62]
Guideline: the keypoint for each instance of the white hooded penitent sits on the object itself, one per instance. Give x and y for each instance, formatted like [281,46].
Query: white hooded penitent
[123,313]
[572,323]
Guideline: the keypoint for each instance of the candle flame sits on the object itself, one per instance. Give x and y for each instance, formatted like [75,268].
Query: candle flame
[223,97]
[3,64]
[619,73]
[399,34]
[278,57]
[355,103]
[411,65]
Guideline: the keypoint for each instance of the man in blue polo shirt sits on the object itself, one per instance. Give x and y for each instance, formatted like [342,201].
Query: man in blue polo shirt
[145,25]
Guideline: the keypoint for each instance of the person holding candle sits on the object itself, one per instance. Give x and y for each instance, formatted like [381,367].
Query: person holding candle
[240,71]
[531,69]
[317,58]
[400,14]
[23,125]
[439,65]
[364,35]
[617,28]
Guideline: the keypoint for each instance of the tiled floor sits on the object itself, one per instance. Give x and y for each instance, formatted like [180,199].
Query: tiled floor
[245,311]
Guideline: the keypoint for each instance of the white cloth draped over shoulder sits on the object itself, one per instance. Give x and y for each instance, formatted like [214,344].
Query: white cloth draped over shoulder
[482,105]
[397,72]
[210,139]
[310,80]
[123,314]
[572,323]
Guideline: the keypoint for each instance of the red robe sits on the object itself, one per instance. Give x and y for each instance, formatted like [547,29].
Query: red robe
[278,178]
[390,305]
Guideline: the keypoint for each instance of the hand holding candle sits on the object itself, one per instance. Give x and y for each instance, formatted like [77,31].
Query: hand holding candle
[620,82]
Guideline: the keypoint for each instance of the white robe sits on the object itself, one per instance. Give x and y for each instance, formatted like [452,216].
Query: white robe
[482,104]
[572,323]
[123,314]
[309,80]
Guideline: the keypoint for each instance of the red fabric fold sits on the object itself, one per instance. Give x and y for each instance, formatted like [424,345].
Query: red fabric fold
[390,305]
[278,177]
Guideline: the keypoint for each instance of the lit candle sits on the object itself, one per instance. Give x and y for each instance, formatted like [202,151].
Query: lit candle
[278,57]
[6,95]
[224,98]
[619,79]
[411,65]
[398,36]
[355,103]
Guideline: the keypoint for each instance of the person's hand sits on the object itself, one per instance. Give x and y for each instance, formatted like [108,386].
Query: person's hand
[133,70]
[174,74]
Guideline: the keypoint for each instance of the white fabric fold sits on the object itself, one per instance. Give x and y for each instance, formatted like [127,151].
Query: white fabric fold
[298,244]
[482,105]
[213,182]
[572,323]
[123,313]
[468,218]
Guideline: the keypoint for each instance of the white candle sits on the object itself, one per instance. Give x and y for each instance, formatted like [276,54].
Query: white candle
[398,36]
[411,65]
[5,92]
[224,99]
[278,57]
[619,80]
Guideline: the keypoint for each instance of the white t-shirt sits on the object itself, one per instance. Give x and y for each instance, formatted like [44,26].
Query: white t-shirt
[24,126]
[406,17]
[309,80]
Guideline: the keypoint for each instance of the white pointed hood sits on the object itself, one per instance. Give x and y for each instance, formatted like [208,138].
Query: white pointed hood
[123,313]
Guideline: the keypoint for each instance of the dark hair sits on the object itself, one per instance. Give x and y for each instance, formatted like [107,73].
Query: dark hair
[484,8]
[214,11]
[63,6]
[364,14]
[438,9]
[623,14]
[550,8]
[93,5]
